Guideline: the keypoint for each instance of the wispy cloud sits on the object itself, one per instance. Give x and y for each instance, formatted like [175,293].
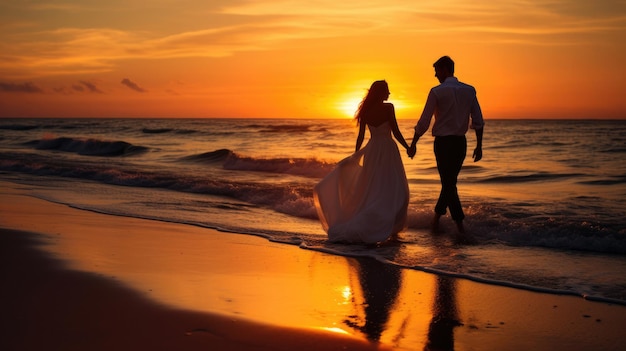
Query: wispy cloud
[69,7]
[63,51]
[518,17]
[82,86]
[91,87]
[27,87]
[229,27]
[132,85]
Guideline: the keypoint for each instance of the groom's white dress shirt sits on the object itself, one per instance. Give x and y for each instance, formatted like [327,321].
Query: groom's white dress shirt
[452,103]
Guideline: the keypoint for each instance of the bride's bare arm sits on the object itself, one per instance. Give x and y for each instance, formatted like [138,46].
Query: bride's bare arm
[395,129]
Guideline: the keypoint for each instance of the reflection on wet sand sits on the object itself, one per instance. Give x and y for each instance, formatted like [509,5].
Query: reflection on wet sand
[445,316]
[444,308]
[379,312]
[380,284]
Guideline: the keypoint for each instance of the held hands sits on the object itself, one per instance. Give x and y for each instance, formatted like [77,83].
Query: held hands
[411,150]
[478,154]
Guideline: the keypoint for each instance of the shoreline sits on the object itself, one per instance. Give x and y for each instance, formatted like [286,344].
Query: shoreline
[79,264]
[493,282]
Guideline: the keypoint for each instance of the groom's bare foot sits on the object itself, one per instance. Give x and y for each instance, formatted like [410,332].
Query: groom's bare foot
[434,224]
[464,239]
[460,227]
[461,236]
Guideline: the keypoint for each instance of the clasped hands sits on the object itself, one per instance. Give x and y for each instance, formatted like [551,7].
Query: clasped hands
[411,150]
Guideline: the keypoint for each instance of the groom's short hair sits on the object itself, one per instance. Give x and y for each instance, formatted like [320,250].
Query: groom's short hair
[446,63]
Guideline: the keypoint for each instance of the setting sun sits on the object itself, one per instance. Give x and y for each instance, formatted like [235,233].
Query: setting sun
[347,103]
[349,106]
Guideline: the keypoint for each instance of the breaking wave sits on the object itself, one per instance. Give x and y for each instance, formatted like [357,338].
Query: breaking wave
[88,147]
[306,167]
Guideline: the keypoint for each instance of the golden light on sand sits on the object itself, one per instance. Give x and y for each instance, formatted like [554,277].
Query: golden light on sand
[346,294]
[334,330]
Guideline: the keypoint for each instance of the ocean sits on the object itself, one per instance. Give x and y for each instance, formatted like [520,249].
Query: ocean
[546,204]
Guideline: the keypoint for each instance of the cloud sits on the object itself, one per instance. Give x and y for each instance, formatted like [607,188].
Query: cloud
[127,82]
[27,87]
[65,51]
[226,27]
[82,86]
[91,87]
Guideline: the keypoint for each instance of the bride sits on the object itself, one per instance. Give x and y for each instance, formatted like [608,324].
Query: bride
[365,198]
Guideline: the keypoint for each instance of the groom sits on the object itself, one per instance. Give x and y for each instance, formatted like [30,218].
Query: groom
[453,104]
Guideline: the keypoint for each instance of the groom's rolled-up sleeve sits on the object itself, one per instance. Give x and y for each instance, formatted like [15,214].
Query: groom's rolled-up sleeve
[477,114]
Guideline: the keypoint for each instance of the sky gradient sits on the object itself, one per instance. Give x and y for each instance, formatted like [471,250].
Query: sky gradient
[307,59]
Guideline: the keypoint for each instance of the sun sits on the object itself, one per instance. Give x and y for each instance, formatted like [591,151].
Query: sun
[347,101]
[348,107]
[348,104]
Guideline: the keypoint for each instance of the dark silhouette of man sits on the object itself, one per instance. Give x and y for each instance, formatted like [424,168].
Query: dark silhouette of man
[453,104]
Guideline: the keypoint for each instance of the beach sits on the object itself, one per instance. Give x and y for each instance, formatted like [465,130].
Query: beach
[75,279]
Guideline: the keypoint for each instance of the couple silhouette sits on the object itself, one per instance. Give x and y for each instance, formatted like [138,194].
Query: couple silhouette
[365,198]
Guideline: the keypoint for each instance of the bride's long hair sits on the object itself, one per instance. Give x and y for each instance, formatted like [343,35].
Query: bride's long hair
[375,95]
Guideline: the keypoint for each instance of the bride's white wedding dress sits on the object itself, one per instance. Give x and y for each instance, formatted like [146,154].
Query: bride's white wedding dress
[365,198]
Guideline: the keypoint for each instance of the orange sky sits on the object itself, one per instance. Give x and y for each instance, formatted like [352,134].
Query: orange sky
[307,59]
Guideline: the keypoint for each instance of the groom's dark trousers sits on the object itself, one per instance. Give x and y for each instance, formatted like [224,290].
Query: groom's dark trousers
[450,153]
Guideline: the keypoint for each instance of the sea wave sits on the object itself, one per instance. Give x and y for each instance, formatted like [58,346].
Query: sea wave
[166,130]
[607,181]
[615,150]
[281,128]
[292,199]
[533,177]
[306,167]
[88,147]
[156,130]
[286,128]
[208,157]
[19,127]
